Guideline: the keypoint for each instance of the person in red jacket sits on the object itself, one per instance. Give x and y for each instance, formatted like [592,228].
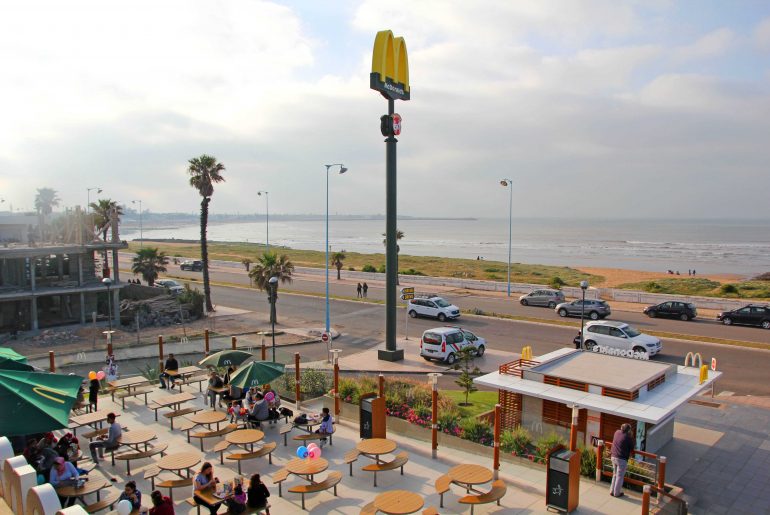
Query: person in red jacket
[161,505]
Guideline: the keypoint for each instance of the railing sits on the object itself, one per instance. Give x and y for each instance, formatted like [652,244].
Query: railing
[516,368]
[668,503]
[644,468]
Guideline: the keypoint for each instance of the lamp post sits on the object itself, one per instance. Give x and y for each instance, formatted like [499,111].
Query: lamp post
[507,183]
[273,298]
[336,362]
[433,381]
[342,170]
[573,430]
[584,287]
[108,283]
[88,191]
[141,234]
[267,218]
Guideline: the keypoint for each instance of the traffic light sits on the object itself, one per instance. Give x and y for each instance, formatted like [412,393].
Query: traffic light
[386,125]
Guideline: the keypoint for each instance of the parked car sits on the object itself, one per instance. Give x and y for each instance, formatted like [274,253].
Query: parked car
[444,343]
[753,314]
[593,309]
[173,287]
[681,310]
[620,335]
[193,266]
[544,297]
[432,306]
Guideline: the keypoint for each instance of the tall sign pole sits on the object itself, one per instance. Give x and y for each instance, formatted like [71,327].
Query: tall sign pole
[390,76]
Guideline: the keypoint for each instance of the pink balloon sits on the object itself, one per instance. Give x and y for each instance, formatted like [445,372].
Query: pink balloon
[312,453]
[317,452]
[312,446]
[269,396]
[100,375]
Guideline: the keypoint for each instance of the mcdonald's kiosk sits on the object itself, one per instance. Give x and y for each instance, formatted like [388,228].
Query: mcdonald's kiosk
[371,416]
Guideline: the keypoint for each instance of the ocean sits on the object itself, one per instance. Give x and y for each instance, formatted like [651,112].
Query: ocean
[734,247]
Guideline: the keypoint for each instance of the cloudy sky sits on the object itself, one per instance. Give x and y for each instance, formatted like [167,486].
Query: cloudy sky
[596,108]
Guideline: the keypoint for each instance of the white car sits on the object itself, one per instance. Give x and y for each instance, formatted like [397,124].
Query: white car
[620,335]
[434,307]
[444,343]
[173,287]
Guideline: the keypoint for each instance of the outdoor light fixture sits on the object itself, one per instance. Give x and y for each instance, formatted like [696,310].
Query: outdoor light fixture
[584,287]
[141,236]
[506,183]
[433,381]
[273,298]
[342,170]
[267,219]
[108,283]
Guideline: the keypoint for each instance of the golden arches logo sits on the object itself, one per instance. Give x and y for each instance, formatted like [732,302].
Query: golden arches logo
[390,66]
[49,393]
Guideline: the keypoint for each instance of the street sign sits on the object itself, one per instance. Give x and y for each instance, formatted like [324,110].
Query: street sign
[324,337]
[408,289]
[713,364]
[407,296]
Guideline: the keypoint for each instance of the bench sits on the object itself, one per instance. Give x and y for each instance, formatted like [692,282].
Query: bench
[221,447]
[285,430]
[123,394]
[97,432]
[398,462]
[187,426]
[180,413]
[197,378]
[265,450]
[494,495]
[350,457]
[431,510]
[249,510]
[138,455]
[442,487]
[151,473]
[331,481]
[278,478]
[213,434]
[175,483]
[108,501]
[369,509]
[314,436]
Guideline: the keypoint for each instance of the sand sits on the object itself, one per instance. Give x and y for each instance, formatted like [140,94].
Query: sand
[617,276]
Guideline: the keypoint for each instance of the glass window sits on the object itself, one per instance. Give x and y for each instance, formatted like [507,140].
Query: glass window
[469,336]
[632,331]
[429,304]
[442,303]
[434,338]
[666,305]
[617,333]
[758,311]
[744,311]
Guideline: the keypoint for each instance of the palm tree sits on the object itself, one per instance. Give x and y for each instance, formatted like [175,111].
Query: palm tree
[45,200]
[102,211]
[149,262]
[204,172]
[337,259]
[399,235]
[267,266]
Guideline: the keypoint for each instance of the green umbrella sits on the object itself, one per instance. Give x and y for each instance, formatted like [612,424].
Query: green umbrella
[226,358]
[11,364]
[8,353]
[256,373]
[35,402]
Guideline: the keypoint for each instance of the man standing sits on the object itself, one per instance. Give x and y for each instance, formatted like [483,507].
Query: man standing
[622,447]
[365,289]
[358,291]
[111,442]
[171,364]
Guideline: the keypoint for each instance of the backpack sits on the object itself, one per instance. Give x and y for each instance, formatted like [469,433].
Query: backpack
[300,419]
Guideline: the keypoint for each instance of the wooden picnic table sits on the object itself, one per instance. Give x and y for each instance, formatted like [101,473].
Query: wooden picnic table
[312,421]
[136,438]
[307,468]
[94,419]
[89,487]
[207,418]
[127,383]
[398,502]
[184,372]
[373,448]
[180,461]
[174,400]
[470,475]
[245,437]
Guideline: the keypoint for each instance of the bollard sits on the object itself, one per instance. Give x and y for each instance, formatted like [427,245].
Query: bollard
[109,348]
[646,500]
[496,462]
[51,362]
[382,385]
[160,352]
[264,349]
[661,472]
[599,458]
[206,341]
[234,343]
[296,378]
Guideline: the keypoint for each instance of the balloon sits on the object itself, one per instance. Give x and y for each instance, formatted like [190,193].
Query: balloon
[269,396]
[302,451]
[100,375]
[124,507]
[92,376]
[317,452]
[313,453]
[311,447]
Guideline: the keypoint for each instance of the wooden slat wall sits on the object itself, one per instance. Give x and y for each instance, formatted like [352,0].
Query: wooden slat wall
[510,409]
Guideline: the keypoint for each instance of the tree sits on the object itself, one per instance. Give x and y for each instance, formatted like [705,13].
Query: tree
[469,371]
[204,172]
[399,235]
[101,211]
[267,266]
[247,263]
[337,259]
[149,262]
[45,200]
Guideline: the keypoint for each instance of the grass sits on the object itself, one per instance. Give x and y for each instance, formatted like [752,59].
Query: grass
[481,402]
[416,265]
[703,287]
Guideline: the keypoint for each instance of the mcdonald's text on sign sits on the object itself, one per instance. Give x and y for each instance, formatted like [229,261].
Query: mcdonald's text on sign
[390,67]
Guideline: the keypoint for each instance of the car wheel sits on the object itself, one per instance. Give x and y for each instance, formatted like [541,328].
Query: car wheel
[413,314]
[684,317]
[524,302]
[451,359]
[562,312]
[590,344]
[480,351]
[551,305]
[727,321]
[593,315]
[639,349]
[766,324]
[441,317]
[651,314]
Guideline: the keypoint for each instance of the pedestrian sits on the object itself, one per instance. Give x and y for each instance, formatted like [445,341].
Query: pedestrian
[236,501]
[258,494]
[109,442]
[215,382]
[622,447]
[365,288]
[205,479]
[693,271]
[171,364]
[161,505]
[358,290]
[93,394]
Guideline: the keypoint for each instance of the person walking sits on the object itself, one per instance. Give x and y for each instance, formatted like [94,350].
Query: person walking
[622,447]
[365,288]
[358,291]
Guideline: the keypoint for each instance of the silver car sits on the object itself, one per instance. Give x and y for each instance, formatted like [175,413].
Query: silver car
[593,309]
[544,297]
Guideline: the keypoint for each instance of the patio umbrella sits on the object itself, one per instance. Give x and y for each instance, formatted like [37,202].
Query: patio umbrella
[226,358]
[11,364]
[8,353]
[35,402]
[256,373]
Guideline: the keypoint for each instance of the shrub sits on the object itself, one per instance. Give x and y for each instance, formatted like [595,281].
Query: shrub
[368,268]
[411,271]
[477,431]
[728,289]
[557,282]
[349,391]
[516,441]
[653,287]
[477,311]
[352,268]
[313,383]
[194,298]
[381,269]
[763,277]
[587,461]
[545,444]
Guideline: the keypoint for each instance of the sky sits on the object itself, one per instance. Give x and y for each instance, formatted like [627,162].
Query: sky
[594,109]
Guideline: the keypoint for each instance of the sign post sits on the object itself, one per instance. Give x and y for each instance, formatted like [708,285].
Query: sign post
[407,294]
[325,337]
[714,368]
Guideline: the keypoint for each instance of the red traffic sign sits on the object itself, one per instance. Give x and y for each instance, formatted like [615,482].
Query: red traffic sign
[324,336]
[396,124]
[713,364]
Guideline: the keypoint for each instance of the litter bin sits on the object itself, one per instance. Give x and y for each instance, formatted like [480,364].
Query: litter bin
[563,480]
[365,417]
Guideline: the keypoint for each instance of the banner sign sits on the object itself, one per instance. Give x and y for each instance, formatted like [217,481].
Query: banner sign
[611,351]
[390,66]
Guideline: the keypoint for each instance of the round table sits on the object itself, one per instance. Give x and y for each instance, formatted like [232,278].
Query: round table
[375,447]
[207,418]
[469,475]
[89,487]
[398,502]
[136,437]
[179,461]
[245,437]
[307,467]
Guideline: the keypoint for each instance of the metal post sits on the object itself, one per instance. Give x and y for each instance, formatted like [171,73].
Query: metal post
[433,381]
[326,248]
[51,362]
[273,336]
[509,184]
[406,321]
[160,352]
[267,222]
[599,459]
[206,341]
[296,379]
[573,430]
[109,348]
[646,500]
[661,472]
[583,286]
[496,462]
[336,360]
[234,342]
[264,349]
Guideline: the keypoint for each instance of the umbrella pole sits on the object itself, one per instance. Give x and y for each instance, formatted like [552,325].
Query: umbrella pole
[51,361]
[296,378]
[206,342]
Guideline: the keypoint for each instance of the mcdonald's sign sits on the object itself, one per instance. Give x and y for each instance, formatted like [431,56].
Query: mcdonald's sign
[390,66]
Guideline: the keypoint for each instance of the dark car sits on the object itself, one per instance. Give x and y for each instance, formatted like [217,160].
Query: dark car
[593,309]
[672,309]
[194,266]
[753,314]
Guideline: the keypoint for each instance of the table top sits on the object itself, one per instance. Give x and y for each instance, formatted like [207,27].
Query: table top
[307,467]
[398,502]
[137,436]
[90,418]
[89,487]
[376,446]
[176,398]
[179,461]
[218,389]
[470,474]
[128,381]
[244,436]
[184,371]
[208,417]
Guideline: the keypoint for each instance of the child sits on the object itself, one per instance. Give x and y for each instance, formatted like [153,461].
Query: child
[327,426]
[236,502]
[237,412]
[93,394]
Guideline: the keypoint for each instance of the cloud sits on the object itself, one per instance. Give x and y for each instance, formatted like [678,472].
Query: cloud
[762,34]
[713,44]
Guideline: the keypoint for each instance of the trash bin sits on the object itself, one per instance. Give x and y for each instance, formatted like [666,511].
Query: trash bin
[365,417]
[563,480]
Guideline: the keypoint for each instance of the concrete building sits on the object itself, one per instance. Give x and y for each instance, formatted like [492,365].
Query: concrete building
[539,394]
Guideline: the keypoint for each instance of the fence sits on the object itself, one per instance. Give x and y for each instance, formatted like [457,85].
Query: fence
[644,468]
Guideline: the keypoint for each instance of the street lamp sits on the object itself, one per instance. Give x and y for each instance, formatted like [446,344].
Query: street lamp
[433,382]
[273,298]
[508,183]
[108,283]
[267,219]
[342,170]
[141,237]
[88,204]
[584,287]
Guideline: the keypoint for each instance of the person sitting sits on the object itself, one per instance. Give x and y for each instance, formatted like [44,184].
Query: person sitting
[237,412]
[171,364]
[327,426]
[214,382]
[203,480]
[236,501]
[110,442]
[132,495]
[260,411]
[251,396]
[64,473]
[258,494]
[229,373]
[161,505]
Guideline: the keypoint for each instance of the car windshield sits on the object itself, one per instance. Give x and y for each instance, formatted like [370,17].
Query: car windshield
[632,331]
[441,303]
